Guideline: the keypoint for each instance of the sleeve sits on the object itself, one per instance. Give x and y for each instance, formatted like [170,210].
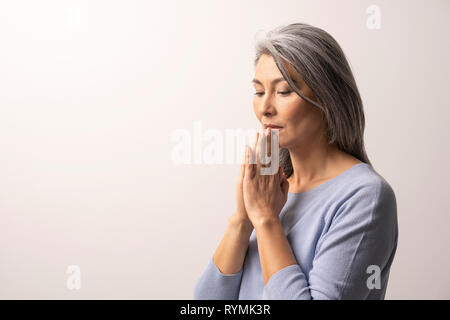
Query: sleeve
[215,285]
[361,237]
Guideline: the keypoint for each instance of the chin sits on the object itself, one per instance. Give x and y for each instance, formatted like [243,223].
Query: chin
[280,143]
[283,143]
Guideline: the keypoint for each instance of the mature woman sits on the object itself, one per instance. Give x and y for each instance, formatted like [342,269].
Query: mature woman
[324,226]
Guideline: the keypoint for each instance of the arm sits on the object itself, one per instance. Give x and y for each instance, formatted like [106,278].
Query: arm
[363,232]
[274,249]
[222,277]
[230,254]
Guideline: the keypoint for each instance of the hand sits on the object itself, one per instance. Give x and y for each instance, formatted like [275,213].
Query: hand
[241,213]
[264,195]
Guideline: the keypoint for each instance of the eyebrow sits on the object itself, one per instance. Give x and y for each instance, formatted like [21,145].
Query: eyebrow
[274,81]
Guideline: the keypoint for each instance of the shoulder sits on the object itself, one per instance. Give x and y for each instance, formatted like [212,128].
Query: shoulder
[366,192]
[364,181]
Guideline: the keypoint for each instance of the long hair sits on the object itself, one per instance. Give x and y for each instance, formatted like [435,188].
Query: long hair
[319,60]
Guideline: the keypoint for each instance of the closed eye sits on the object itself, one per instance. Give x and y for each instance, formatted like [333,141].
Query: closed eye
[283,93]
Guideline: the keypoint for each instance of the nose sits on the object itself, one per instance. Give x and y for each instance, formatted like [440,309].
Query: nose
[267,107]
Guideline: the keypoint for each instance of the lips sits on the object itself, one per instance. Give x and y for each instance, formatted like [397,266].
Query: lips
[273,126]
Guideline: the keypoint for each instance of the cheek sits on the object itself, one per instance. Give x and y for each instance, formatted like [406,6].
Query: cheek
[300,119]
[292,114]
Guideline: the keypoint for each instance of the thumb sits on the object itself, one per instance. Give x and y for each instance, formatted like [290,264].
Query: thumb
[284,185]
[280,173]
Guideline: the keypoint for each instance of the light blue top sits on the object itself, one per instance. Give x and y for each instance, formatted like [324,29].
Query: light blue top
[343,234]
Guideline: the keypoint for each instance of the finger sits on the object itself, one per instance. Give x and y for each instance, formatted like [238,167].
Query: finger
[285,186]
[280,173]
[255,147]
[258,148]
[255,155]
[248,172]
[242,169]
[265,153]
[246,156]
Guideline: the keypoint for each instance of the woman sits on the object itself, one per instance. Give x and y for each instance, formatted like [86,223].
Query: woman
[324,226]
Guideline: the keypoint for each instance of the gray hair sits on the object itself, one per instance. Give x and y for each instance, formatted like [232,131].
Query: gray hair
[319,60]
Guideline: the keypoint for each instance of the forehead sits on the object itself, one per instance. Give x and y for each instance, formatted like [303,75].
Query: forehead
[267,70]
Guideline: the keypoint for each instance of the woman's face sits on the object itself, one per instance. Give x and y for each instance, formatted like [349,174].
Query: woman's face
[276,103]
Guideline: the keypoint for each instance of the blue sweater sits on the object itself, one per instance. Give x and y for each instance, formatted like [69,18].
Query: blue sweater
[343,234]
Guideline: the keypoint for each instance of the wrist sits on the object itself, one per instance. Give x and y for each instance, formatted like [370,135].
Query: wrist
[241,224]
[267,222]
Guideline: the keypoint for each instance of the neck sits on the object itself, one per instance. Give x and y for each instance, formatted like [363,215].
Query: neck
[311,163]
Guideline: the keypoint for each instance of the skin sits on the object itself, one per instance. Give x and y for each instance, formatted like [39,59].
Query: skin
[260,198]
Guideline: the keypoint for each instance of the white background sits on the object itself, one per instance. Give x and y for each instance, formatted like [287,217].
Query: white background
[91,91]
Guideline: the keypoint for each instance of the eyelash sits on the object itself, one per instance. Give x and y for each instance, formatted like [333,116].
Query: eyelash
[282,93]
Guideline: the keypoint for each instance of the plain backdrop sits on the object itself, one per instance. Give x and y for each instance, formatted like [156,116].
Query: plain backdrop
[91,93]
